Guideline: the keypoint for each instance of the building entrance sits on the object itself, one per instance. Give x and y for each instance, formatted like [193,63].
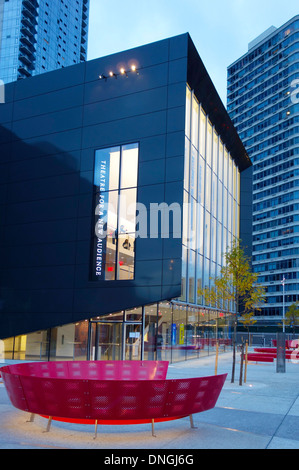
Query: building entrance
[166,331]
[108,342]
[116,340]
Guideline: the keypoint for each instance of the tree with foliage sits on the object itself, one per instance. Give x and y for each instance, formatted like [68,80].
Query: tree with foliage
[247,320]
[236,285]
[292,316]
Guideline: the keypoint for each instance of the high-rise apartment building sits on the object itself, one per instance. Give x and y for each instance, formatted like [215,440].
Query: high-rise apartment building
[38,36]
[264,106]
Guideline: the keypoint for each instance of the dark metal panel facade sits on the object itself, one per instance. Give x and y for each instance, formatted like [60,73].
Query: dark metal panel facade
[51,126]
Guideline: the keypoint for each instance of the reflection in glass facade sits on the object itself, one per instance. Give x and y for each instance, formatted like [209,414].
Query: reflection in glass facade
[164,331]
[38,36]
[263,104]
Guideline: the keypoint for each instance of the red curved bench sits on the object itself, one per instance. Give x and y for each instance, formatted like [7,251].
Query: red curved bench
[290,343]
[266,355]
[85,392]
[262,357]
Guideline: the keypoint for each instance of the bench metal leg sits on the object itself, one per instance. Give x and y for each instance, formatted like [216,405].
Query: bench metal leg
[153,428]
[31,419]
[95,429]
[191,422]
[49,424]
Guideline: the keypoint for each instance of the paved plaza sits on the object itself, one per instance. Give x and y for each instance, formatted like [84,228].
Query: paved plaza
[263,413]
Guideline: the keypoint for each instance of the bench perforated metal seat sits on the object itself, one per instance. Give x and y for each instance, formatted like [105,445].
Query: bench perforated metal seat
[108,392]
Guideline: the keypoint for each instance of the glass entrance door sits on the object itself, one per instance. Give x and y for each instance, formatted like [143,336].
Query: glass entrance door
[117,337]
[133,341]
[108,342]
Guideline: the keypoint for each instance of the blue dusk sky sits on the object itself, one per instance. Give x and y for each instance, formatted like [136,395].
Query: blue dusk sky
[220,29]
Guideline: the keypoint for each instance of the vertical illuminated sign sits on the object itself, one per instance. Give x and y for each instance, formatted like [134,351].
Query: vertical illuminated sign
[114,218]
[101,187]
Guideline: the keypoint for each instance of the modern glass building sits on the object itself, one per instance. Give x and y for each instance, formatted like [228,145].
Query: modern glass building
[263,104]
[123,182]
[38,36]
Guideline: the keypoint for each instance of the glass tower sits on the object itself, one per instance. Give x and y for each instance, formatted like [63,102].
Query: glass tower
[264,106]
[38,36]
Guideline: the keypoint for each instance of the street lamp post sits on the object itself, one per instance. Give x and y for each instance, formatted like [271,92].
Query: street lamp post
[283,305]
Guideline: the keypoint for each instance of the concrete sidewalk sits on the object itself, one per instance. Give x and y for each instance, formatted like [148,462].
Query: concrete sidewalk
[261,414]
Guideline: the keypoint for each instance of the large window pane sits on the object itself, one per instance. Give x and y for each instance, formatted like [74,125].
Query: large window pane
[188,112]
[225,202]
[209,144]
[219,201]
[201,180]
[199,273]
[220,161]
[213,238]
[234,228]
[165,331]
[219,243]
[111,239]
[230,177]
[7,348]
[150,330]
[32,347]
[200,228]
[126,256]
[207,234]
[202,133]
[127,211]
[215,151]
[129,166]
[225,168]
[194,123]
[178,333]
[214,195]
[238,221]
[192,223]
[135,314]
[185,218]
[183,297]
[69,342]
[224,244]
[191,276]
[229,213]
[208,188]
[126,235]
[206,273]
[106,172]
[235,171]
[187,165]
[192,343]
[193,172]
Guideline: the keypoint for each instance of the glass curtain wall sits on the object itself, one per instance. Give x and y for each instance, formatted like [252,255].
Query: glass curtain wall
[211,202]
[38,36]
[10,21]
[166,331]
[263,104]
